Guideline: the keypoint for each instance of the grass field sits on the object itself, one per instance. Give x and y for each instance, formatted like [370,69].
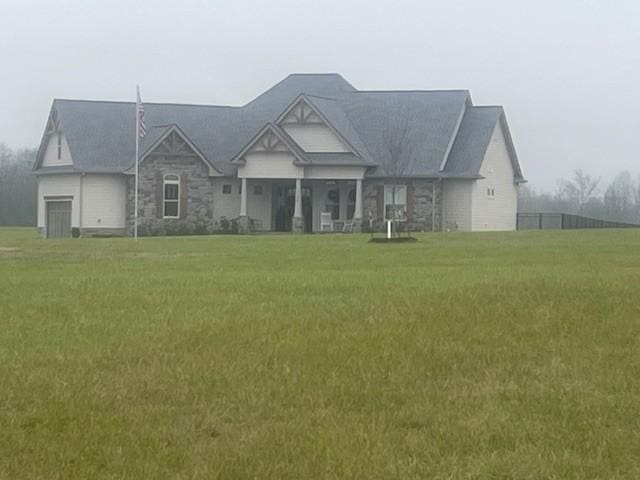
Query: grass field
[511,356]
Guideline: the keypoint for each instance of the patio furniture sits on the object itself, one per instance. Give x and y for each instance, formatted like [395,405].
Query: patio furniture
[326,224]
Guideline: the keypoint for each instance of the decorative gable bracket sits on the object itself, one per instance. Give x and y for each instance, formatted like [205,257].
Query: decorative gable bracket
[303,112]
[173,142]
[270,139]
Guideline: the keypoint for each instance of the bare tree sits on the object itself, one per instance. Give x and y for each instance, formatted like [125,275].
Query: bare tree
[619,198]
[579,189]
[398,157]
[620,201]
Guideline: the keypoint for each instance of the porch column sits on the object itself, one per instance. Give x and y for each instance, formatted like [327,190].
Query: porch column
[357,212]
[297,220]
[243,221]
[243,198]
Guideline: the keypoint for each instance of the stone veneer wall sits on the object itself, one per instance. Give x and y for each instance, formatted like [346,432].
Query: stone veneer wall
[102,232]
[195,218]
[91,232]
[421,206]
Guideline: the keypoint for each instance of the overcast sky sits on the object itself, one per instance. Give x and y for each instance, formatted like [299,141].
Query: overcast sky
[566,71]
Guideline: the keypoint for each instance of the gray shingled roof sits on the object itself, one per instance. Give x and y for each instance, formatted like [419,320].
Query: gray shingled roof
[472,140]
[101,133]
[431,118]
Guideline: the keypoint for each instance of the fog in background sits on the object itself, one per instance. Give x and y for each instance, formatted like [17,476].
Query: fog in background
[567,72]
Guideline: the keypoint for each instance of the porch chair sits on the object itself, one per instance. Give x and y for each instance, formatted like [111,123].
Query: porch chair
[348,226]
[326,222]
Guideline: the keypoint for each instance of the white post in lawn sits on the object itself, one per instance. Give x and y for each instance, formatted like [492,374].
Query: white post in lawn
[243,198]
[389,229]
[141,131]
[357,211]
[297,212]
[135,188]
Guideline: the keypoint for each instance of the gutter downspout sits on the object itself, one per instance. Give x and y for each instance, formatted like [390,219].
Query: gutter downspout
[80,202]
[433,206]
[442,229]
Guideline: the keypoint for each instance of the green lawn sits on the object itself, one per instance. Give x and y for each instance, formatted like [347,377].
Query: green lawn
[506,355]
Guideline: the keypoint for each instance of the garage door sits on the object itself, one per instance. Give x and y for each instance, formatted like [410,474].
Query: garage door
[58,219]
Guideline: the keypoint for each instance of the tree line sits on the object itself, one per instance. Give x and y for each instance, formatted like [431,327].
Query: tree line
[18,186]
[583,194]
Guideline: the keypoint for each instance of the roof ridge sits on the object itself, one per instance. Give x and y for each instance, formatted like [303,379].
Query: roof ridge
[319,96]
[465,90]
[145,103]
[317,74]
[299,74]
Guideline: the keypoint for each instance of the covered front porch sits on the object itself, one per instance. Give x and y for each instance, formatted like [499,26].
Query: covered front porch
[300,205]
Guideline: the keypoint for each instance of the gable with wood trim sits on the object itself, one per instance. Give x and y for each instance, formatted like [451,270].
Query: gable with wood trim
[306,125]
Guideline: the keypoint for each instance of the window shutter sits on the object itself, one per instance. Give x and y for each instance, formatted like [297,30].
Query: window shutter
[184,195]
[159,188]
[410,202]
[380,202]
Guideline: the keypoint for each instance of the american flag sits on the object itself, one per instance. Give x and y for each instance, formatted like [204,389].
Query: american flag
[142,127]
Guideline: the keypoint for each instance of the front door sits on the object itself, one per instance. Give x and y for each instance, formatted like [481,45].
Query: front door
[283,204]
[58,219]
[307,207]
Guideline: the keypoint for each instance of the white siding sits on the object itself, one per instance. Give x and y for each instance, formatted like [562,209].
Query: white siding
[259,206]
[104,201]
[270,165]
[103,198]
[226,205]
[50,158]
[497,212]
[457,204]
[59,186]
[333,172]
[315,138]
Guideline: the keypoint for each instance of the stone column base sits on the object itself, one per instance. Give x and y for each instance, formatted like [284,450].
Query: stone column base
[357,225]
[297,225]
[105,232]
[243,224]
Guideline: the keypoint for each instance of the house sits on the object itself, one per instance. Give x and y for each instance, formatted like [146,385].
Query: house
[311,144]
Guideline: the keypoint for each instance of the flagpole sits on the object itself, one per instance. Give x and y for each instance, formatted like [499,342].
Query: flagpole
[135,213]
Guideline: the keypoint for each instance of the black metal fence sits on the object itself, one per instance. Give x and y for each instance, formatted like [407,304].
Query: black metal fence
[564,221]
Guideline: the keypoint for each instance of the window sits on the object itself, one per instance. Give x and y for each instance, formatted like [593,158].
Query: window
[491,193]
[226,189]
[395,202]
[171,196]
[332,203]
[59,145]
[257,189]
